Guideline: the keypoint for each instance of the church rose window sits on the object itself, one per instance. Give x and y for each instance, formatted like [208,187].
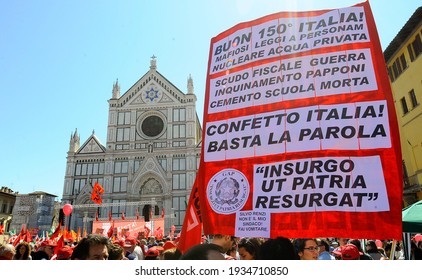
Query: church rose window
[152,126]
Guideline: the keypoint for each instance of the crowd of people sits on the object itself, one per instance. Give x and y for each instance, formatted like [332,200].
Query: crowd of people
[216,247]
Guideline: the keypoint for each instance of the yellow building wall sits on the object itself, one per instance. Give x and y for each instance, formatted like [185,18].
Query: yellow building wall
[410,124]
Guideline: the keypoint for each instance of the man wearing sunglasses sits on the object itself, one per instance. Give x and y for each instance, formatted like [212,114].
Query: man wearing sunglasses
[225,243]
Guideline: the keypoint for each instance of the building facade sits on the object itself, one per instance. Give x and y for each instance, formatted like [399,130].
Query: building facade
[404,63]
[7,202]
[150,158]
[36,210]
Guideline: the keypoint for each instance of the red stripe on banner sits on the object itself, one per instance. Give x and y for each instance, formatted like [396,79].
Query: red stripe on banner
[191,232]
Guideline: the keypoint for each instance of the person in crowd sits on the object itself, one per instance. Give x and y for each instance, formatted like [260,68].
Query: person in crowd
[306,248]
[138,251]
[358,244]
[152,241]
[416,248]
[7,252]
[232,254]
[171,254]
[23,251]
[45,251]
[348,252]
[388,253]
[383,253]
[92,247]
[280,248]
[248,248]
[144,243]
[169,245]
[129,246]
[116,252]
[334,245]
[120,242]
[399,252]
[64,253]
[342,241]
[205,239]
[372,250]
[152,254]
[203,252]
[225,243]
[324,250]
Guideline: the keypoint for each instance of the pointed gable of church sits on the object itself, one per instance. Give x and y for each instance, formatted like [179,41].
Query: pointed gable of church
[151,89]
[84,197]
[91,146]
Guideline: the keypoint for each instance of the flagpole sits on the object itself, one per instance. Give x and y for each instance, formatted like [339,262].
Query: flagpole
[152,221]
[393,250]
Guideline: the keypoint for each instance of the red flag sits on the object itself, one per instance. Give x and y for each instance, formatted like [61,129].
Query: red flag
[147,231]
[159,233]
[21,235]
[28,237]
[12,239]
[110,230]
[191,233]
[1,229]
[67,234]
[23,230]
[123,214]
[137,214]
[109,216]
[162,213]
[60,244]
[56,232]
[97,191]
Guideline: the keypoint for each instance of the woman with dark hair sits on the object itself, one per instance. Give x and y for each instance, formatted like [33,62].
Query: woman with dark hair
[23,251]
[203,252]
[280,248]
[307,248]
[418,250]
[372,250]
[248,248]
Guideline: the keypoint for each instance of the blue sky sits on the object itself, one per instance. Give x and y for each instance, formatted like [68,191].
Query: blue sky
[59,60]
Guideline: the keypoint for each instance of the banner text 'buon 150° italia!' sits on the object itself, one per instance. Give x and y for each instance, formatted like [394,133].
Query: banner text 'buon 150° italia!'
[300,133]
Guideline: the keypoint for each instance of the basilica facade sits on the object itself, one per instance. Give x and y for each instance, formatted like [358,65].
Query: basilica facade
[149,162]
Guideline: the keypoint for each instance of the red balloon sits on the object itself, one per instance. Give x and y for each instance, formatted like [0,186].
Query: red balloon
[67,209]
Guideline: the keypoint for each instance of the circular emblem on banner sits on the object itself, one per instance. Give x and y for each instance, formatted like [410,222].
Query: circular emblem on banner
[227,191]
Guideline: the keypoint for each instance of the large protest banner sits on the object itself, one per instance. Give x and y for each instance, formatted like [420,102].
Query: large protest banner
[300,133]
[129,227]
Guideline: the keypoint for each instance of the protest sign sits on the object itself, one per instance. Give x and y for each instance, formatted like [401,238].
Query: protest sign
[300,133]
